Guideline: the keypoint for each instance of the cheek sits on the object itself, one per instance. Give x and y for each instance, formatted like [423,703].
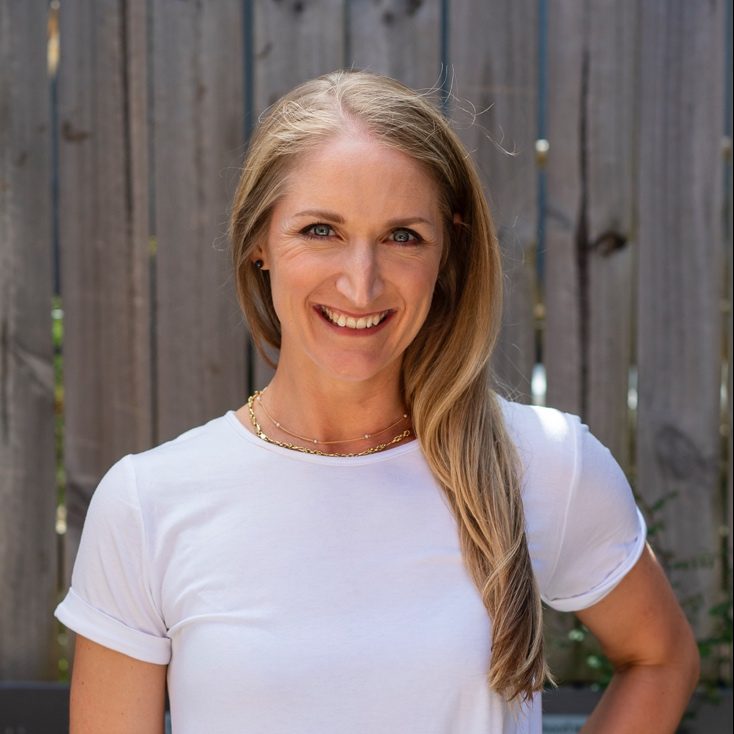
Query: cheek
[421,292]
[290,286]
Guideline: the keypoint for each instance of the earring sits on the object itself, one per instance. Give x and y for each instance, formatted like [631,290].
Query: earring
[259,264]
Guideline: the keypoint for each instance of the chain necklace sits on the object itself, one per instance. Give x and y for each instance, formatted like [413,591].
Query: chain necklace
[259,394]
[305,450]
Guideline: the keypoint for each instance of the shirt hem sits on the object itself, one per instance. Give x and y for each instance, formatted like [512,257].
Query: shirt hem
[584,601]
[84,619]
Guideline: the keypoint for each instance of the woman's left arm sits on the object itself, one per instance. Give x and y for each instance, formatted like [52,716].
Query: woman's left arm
[645,635]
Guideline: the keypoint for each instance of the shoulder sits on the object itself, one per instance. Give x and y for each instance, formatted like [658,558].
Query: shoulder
[194,454]
[176,469]
[546,438]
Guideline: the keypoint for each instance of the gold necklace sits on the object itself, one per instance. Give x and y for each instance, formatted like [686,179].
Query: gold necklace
[365,436]
[303,449]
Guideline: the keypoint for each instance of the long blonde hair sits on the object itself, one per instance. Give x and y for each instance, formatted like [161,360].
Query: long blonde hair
[455,412]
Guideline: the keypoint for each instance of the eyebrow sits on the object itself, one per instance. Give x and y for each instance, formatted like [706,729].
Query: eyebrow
[334,217]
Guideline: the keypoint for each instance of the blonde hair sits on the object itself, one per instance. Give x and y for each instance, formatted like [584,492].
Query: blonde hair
[456,414]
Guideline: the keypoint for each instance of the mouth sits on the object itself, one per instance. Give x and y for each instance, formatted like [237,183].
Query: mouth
[366,323]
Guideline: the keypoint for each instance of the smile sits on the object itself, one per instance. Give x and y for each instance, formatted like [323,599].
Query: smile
[350,322]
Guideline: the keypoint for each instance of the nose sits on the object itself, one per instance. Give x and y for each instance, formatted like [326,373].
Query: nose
[360,280]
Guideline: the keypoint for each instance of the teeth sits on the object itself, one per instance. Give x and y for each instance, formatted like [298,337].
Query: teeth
[364,322]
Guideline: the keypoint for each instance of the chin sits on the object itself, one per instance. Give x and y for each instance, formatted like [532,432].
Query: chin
[356,371]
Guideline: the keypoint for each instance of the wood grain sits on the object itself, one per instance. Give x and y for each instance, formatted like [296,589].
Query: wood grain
[609,174]
[198,128]
[103,215]
[27,456]
[568,27]
[679,290]
[493,71]
[397,38]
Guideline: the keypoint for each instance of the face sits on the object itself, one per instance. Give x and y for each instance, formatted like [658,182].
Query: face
[353,252]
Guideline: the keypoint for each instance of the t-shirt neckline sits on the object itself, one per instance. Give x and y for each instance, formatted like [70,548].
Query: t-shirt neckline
[386,455]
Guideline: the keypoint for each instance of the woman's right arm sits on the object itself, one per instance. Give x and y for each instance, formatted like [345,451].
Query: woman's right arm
[114,693]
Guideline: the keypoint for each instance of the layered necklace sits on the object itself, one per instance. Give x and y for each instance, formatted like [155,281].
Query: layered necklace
[314,442]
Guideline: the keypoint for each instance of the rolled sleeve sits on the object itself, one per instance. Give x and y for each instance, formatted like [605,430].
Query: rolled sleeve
[603,532]
[111,601]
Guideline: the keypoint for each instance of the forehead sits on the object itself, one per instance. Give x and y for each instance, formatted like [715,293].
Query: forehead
[355,170]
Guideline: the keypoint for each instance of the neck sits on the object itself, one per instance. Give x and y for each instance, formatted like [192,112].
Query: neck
[334,411]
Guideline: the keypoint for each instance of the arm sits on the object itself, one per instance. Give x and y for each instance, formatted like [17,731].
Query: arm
[114,693]
[646,636]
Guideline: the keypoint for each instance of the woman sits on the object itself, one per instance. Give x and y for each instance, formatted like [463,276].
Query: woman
[364,546]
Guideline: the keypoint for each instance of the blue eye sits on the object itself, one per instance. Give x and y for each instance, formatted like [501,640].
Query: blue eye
[318,230]
[405,236]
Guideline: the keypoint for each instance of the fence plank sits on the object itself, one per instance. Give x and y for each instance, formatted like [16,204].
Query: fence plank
[402,40]
[104,243]
[27,457]
[561,344]
[198,141]
[493,68]
[294,42]
[609,121]
[680,266]
[590,213]
[562,347]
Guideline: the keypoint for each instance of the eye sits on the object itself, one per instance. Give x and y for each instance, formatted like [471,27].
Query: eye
[318,230]
[405,236]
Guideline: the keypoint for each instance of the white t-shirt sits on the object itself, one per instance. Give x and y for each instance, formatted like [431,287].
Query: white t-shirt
[297,594]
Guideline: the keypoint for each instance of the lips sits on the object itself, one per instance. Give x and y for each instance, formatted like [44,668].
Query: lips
[347,321]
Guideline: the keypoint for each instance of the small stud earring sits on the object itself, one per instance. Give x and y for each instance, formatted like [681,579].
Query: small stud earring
[259,264]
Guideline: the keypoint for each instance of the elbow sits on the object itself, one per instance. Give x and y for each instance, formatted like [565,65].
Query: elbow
[688,660]
[693,665]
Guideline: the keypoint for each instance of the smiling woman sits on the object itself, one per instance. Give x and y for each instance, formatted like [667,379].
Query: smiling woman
[352,263]
[364,545]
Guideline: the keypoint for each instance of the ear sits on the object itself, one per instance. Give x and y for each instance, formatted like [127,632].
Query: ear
[457,218]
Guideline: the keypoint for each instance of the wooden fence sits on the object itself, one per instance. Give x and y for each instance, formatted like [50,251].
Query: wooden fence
[617,241]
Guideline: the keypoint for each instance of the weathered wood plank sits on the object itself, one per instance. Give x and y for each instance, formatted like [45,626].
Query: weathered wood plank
[402,40]
[294,42]
[590,214]
[679,289]
[610,190]
[27,456]
[103,196]
[588,296]
[562,347]
[199,133]
[493,68]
